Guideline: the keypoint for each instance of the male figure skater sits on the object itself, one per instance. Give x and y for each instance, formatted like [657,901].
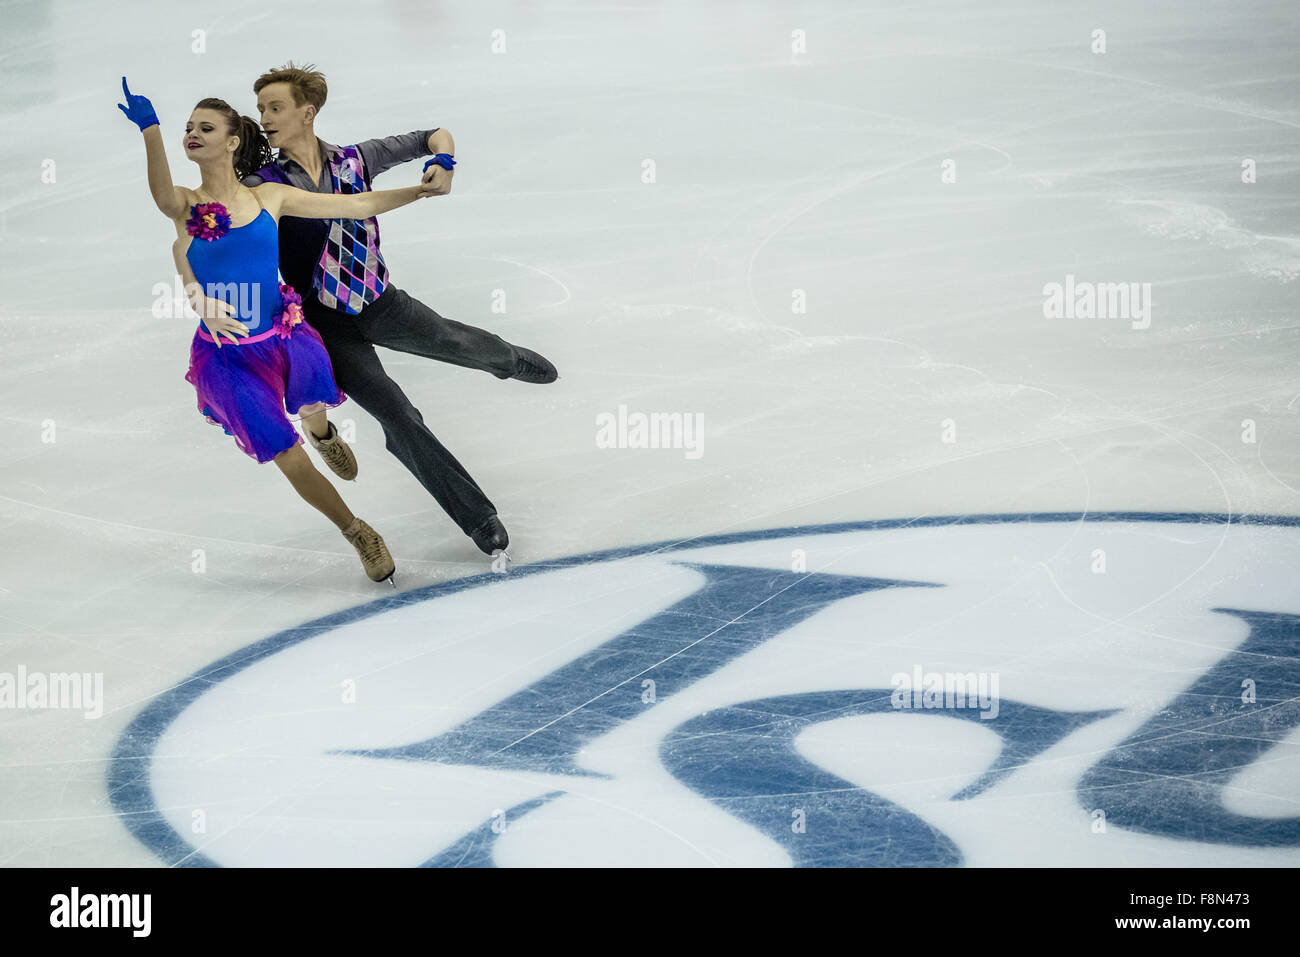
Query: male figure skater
[336,266]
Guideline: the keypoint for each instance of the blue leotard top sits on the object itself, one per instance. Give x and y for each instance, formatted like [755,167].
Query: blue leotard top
[242,269]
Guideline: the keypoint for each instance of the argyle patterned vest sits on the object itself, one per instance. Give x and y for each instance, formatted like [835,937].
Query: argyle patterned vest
[351,273]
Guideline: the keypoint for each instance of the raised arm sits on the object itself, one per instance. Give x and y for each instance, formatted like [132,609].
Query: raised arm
[289,201]
[389,151]
[169,198]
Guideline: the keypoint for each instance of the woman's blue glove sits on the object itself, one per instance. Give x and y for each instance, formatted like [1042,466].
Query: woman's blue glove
[139,110]
[444,160]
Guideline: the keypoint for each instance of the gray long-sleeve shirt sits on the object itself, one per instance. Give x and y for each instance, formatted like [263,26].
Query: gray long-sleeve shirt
[302,241]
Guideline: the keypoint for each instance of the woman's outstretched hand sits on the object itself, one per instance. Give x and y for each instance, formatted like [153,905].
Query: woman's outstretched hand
[138,109]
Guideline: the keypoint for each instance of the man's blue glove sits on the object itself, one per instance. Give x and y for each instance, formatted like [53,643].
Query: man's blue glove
[444,160]
[139,110]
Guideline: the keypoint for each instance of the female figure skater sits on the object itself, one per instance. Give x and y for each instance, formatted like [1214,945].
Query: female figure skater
[273,363]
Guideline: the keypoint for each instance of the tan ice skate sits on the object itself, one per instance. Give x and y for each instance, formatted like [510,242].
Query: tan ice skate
[374,553]
[336,453]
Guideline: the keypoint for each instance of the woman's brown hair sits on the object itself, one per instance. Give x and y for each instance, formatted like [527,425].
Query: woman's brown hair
[253,151]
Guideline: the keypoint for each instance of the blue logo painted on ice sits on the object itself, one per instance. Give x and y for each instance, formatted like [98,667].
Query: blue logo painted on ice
[728,701]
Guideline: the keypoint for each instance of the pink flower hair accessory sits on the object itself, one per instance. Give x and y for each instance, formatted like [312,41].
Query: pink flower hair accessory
[208,221]
[290,313]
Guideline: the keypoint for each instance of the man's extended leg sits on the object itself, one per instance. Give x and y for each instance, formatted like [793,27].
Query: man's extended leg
[361,375]
[400,322]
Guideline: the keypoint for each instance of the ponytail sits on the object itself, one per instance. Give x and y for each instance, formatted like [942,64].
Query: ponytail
[253,151]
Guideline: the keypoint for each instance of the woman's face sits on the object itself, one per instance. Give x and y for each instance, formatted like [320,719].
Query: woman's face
[206,137]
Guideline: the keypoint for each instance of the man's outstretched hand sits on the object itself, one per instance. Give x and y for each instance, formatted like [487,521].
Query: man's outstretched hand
[437,174]
[138,109]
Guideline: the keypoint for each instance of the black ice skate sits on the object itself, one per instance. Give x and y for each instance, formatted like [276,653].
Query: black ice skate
[491,537]
[531,367]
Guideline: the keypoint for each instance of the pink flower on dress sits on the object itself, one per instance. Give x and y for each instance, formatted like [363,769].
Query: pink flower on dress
[208,221]
[290,313]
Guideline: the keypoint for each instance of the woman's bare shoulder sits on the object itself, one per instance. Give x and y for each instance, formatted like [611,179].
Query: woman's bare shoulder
[271,191]
[271,196]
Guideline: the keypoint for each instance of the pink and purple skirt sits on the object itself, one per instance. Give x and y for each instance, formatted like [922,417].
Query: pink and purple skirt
[252,389]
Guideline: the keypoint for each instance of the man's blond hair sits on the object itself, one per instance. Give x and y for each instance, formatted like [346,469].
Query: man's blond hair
[306,82]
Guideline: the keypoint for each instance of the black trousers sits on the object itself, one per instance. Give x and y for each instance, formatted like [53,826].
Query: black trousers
[396,321]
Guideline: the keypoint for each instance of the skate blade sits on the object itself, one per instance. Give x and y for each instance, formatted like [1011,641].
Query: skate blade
[501,560]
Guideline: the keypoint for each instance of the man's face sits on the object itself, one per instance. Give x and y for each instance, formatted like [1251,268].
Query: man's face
[281,118]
